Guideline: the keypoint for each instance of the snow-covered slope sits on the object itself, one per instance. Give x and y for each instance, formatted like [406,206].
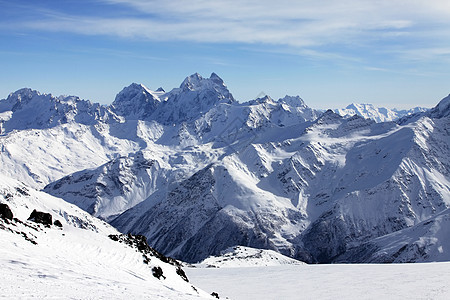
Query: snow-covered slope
[378,114]
[111,188]
[425,241]
[40,156]
[81,259]
[239,257]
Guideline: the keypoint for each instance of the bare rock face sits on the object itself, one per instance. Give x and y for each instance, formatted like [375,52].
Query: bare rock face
[58,223]
[5,212]
[41,217]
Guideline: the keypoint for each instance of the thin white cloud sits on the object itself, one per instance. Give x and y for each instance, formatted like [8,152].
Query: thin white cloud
[309,25]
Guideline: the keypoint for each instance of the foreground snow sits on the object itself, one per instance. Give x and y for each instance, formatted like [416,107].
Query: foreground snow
[389,281]
[78,260]
[79,265]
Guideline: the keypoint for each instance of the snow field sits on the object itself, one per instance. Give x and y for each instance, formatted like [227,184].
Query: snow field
[362,281]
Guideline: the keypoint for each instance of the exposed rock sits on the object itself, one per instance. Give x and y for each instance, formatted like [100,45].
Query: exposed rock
[140,243]
[5,212]
[57,223]
[158,273]
[41,217]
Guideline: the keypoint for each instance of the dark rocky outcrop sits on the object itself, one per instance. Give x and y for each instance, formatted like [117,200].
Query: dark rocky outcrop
[139,242]
[158,273]
[57,223]
[41,217]
[5,212]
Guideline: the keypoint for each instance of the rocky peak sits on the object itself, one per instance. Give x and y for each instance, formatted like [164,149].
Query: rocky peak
[294,101]
[135,102]
[329,117]
[133,92]
[20,98]
[192,82]
[442,109]
[214,83]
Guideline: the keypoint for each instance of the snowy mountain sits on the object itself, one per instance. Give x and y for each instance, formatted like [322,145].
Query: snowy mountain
[197,172]
[136,102]
[241,257]
[79,256]
[378,114]
[111,188]
[28,109]
[425,241]
[195,96]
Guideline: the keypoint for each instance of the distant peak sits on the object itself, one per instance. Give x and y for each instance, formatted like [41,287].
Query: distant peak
[330,112]
[196,82]
[160,89]
[134,89]
[214,77]
[329,116]
[191,82]
[133,98]
[442,109]
[21,97]
[265,99]
[294,101]
[24,92]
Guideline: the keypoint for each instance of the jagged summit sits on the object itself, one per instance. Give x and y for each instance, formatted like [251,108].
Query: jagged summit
[194,96]
[196,82]
[329,117]
[262,100]
[136,102]
[214,83]
[378,114]
[442,109]
[29,109]
[214,77]
[294,101]
[18,98]
[192,82]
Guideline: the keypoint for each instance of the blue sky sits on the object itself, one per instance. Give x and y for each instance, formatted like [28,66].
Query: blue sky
[390,53]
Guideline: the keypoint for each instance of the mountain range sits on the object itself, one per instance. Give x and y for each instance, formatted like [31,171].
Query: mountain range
[378,114]
[197,172]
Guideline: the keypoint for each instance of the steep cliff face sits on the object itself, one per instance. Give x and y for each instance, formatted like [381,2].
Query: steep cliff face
[111,188]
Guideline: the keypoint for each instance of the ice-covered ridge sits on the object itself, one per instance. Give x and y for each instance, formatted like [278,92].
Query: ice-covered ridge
[378,114]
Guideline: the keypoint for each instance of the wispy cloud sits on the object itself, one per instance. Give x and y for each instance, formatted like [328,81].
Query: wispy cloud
[309,26]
